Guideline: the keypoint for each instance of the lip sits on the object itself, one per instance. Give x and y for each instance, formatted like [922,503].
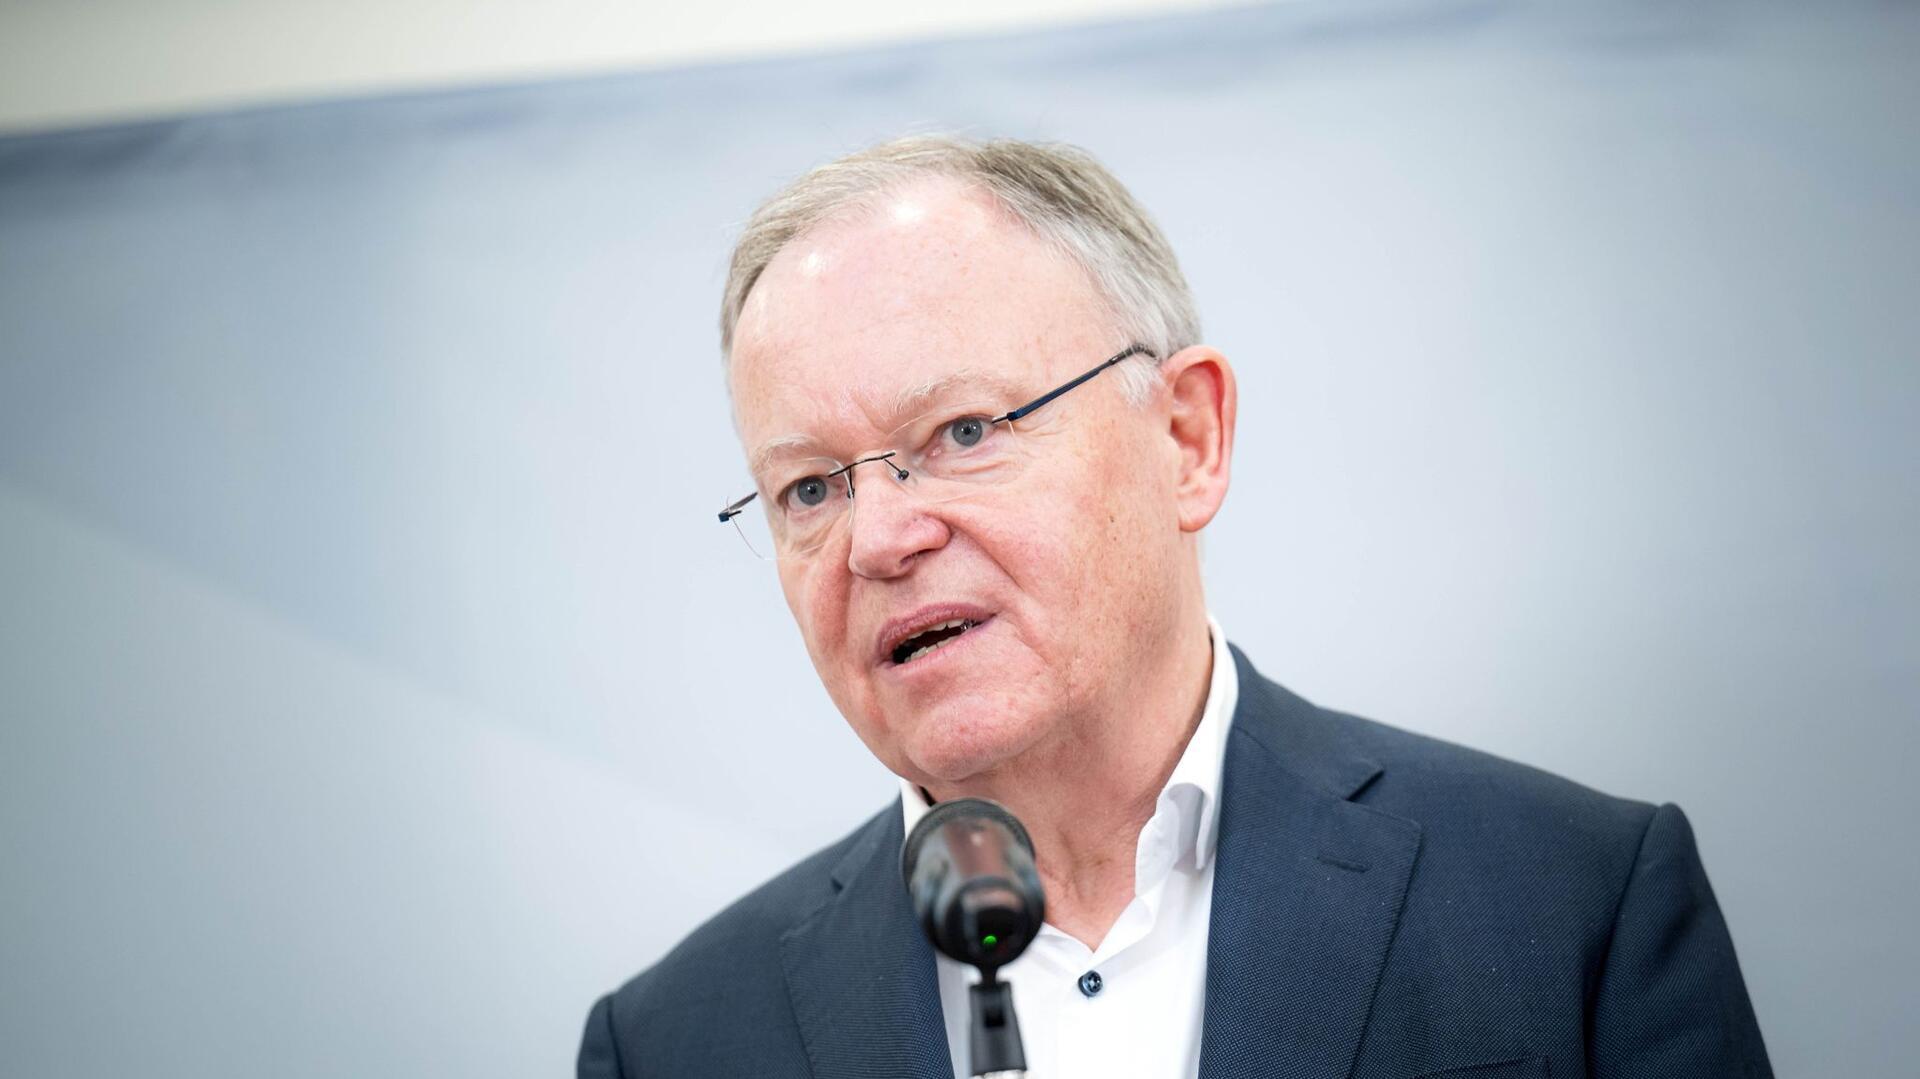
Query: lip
[899,629]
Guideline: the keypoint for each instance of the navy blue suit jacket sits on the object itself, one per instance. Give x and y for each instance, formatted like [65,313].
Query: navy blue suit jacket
[1385,905]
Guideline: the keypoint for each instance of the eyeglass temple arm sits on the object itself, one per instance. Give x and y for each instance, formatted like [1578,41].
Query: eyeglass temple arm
[1136,350]
[733,510]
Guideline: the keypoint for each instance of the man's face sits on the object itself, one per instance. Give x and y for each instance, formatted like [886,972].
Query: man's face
[1067,568]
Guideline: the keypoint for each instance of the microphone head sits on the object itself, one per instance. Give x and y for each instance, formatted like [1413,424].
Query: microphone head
[969,871]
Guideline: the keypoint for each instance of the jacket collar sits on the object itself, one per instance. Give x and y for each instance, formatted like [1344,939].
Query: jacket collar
[1306,896]
[860,974]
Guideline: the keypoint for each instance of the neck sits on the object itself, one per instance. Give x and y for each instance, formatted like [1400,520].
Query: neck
[1085,796]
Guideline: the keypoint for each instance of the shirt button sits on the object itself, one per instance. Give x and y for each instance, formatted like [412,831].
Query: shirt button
[1091,983]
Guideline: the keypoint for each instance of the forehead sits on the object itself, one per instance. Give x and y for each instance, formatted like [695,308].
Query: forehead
[930,290]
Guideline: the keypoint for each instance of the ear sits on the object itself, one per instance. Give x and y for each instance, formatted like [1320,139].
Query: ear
[1203,402]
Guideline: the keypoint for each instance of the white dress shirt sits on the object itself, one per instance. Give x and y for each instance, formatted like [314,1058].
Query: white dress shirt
[1141,1015]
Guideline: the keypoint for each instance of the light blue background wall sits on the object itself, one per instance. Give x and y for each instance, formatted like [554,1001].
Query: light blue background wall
[376,687]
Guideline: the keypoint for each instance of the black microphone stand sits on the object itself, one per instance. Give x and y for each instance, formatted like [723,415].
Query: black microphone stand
[969,872]
[995,1045]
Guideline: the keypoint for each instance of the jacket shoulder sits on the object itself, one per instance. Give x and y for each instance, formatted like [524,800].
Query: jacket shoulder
[1442,778]
[1501,834]
[730,965]
[1481,816]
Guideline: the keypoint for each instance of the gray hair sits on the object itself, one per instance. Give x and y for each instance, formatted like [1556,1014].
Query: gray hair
[1059,192]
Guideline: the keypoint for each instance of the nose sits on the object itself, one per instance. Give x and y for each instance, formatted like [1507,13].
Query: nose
[890,527]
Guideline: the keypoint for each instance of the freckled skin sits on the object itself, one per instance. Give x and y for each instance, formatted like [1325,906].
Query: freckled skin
[1088,560]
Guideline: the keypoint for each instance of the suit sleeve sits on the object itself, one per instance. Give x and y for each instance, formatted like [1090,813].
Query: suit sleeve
[1670,1000]
[599,1054]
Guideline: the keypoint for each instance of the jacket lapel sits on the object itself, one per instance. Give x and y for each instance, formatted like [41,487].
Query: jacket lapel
[861,975]
[1307,893]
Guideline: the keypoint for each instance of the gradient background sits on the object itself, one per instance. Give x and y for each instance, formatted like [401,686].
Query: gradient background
[376,687]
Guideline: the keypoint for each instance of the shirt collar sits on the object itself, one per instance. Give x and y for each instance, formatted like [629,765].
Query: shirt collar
[1198,769]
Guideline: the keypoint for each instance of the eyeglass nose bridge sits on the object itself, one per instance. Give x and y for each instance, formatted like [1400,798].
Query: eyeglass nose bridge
[846,470]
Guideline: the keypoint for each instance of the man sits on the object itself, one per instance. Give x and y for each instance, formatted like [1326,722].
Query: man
[985,439]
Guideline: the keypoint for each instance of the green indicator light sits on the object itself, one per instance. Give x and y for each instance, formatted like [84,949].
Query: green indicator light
[989,941]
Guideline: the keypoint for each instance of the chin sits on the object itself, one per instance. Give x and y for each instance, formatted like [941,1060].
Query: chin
[965,738]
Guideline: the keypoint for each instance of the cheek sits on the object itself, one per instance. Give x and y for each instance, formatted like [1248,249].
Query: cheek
[1043,539]
[1128,535]
[1057,544]
[1119,497]
[819,609]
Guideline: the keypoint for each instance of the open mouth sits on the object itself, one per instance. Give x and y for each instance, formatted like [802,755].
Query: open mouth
[930,640]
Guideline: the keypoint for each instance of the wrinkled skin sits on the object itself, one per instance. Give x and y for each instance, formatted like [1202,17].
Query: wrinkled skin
[1087,562]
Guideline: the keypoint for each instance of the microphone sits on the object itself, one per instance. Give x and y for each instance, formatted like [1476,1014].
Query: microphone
[970,875]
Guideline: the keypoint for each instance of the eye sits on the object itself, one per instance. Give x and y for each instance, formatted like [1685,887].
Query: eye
[806,492]
[968,430]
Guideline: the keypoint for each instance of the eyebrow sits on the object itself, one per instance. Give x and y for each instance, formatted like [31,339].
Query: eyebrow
[778,447]
[909,402]
[906,405]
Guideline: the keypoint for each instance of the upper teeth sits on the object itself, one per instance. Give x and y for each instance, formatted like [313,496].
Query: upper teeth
[958,623]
